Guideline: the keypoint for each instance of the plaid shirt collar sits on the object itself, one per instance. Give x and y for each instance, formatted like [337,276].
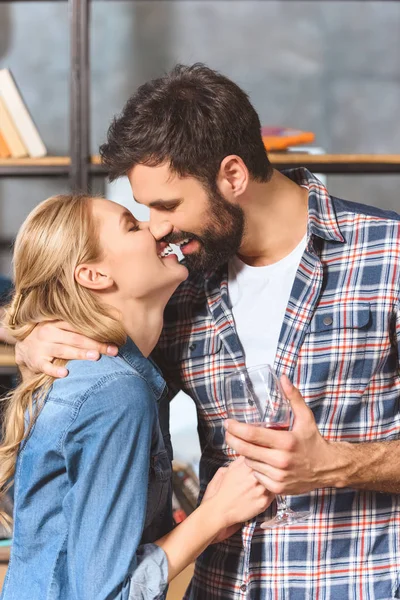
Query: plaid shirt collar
[322,223]
[322,220]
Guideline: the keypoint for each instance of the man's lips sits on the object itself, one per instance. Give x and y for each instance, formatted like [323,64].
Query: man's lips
[165,249]
[191,247]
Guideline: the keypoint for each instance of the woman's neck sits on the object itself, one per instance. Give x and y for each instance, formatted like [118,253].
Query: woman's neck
[142,320]
[143,325]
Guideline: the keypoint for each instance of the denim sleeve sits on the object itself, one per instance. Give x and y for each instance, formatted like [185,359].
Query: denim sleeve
[107,450]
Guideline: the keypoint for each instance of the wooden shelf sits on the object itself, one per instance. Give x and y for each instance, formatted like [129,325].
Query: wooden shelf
[6,356]
[46,161]
[338,163]
[324,163]
[320,163]
[48,165]
[297,157]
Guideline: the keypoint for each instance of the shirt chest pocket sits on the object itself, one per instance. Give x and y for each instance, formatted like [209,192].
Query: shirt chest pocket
[335,345]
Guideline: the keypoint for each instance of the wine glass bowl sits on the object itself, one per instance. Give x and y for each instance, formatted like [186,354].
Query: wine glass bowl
[255,396]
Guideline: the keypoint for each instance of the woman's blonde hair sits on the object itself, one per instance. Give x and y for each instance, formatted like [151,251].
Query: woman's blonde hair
[58,235]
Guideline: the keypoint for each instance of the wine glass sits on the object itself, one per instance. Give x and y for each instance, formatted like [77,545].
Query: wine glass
[255,396]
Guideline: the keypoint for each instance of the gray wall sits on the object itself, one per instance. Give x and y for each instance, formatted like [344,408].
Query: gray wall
[332,67]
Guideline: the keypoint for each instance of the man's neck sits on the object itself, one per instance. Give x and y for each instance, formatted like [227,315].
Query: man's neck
[276,220]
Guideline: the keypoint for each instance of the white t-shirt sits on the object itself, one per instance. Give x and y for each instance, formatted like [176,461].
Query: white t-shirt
[259,297]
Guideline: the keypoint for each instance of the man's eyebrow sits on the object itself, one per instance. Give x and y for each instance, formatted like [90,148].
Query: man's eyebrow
[160,203]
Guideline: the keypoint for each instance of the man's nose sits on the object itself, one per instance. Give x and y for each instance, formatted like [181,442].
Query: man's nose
[144,224]
[160,230]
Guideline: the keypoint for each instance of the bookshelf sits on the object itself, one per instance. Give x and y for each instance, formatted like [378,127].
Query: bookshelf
[79,166]
[337,164]
[76,166]
[323,163]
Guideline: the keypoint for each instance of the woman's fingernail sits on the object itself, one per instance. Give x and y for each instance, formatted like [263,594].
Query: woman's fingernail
[62,372]
[112,350]
[92,355]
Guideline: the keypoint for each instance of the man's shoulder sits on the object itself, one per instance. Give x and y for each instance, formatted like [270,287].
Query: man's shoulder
[347,207]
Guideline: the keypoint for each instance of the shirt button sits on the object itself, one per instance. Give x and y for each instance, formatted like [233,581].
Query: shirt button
[243,587]
[328,321]
[192,347]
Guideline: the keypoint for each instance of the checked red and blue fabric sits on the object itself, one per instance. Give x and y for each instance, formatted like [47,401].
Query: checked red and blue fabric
[339,344]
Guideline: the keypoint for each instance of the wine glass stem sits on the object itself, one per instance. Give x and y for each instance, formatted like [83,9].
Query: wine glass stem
[281,505]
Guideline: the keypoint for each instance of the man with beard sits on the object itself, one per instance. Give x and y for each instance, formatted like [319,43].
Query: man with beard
[285,274]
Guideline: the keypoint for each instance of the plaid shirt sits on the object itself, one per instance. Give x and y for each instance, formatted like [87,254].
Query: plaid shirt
[339,344]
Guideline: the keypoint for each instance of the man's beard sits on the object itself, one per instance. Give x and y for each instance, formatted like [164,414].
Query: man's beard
[221,238]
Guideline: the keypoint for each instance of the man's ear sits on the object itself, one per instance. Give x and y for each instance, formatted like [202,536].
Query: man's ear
[93,278]
[233,177]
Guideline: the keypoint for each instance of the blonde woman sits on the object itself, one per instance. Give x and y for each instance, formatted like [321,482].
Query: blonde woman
[92,476]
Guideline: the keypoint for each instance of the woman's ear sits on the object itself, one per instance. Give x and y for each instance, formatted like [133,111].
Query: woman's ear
[91,277]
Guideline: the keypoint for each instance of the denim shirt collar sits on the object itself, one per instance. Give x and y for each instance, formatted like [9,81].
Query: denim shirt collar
[144,366]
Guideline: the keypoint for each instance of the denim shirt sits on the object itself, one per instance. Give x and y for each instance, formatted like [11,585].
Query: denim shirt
[93,488]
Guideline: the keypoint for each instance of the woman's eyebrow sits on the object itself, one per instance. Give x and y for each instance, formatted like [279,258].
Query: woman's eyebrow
[126,216]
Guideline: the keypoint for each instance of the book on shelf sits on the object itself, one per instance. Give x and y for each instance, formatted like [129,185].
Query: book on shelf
[186,488]
[4,149]
[20,115]
[280,138]
[10,132]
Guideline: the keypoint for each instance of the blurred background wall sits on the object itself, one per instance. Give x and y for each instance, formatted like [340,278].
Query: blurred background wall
[330,67]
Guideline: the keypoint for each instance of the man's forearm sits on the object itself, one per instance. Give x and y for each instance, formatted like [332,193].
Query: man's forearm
[368,465]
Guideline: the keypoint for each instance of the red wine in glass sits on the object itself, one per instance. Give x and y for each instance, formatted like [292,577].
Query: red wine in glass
[255,396]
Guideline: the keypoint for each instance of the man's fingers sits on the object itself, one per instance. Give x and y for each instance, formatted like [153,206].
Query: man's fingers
[267,470]
[302,413]
[48,368]
[61,332]
[274,458]
[260,436]
[253,451]
[271,487]
[67,352]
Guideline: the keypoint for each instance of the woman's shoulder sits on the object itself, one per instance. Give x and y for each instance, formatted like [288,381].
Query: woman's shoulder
[87,379]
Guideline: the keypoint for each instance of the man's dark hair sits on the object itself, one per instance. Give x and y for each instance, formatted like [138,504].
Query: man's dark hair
[192,118]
